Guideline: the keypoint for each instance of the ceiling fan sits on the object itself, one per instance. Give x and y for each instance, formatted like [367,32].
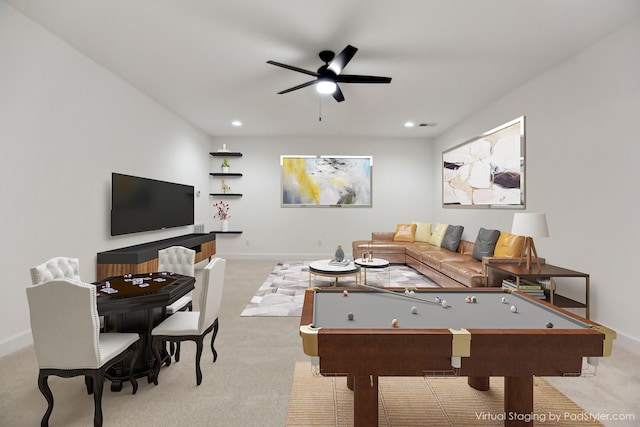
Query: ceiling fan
[328,76]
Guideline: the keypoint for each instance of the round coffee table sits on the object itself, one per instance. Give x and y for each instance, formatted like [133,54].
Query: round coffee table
[366,263]
[326,268]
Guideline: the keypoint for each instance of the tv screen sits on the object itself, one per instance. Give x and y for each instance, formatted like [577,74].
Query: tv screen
[142,204]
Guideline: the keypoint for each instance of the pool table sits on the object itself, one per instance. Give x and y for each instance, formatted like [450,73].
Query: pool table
[353,335]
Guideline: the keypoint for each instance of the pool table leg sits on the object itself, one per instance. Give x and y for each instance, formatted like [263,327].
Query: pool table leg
[518,401]
[479,383]
[365,400]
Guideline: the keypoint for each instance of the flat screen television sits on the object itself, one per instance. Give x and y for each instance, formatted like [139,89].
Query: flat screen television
[142,204]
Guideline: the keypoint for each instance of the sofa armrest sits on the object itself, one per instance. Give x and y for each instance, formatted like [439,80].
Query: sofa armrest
[383,235]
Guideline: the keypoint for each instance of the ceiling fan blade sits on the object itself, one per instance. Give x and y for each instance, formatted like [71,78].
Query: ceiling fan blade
[343,58]
[350,78]
[312,82]
[291,67]
[337,94]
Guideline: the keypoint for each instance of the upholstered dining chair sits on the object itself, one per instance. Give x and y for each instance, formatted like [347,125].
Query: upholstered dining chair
[56,268]
[181,260]
[194,325]
[68,342]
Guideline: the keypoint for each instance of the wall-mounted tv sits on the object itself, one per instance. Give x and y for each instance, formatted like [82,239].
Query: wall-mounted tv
[142,204]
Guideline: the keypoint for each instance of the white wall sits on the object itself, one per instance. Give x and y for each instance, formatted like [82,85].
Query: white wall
[402,191]
[581,164]
[65,124]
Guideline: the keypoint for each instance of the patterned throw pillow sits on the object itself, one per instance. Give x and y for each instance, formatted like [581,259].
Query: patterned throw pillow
[405,233]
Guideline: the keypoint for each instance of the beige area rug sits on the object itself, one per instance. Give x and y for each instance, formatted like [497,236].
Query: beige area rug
[282,292]
[418,401]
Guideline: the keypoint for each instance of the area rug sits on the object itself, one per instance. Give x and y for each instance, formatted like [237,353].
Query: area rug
[418,401]
[282,293]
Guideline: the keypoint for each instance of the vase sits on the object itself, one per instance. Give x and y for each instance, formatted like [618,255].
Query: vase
[225,169]
[339,254]
[224,225]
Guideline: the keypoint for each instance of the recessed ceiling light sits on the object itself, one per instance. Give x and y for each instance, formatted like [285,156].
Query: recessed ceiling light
[409,124]
[236,123]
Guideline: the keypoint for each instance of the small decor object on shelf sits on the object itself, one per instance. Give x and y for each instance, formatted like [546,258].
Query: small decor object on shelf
[223,149]
[225,187]
[225,166]
[339,254]
[222,214]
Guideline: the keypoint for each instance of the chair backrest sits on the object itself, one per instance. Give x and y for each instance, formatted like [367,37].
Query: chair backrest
[211,292]
[65,324]
[177,259]
[56,268]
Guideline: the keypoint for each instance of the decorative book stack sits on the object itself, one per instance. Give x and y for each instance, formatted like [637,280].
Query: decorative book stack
[532,288]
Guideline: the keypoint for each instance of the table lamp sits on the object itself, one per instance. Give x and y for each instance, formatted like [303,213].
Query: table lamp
[529,225]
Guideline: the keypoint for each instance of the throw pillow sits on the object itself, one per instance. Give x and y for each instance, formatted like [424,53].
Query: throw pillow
[438,234]
[423,231]
[452,237]
[405,233]
[509,245]
[485,243]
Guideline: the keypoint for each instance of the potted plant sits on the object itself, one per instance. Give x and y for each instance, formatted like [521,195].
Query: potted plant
[225,166]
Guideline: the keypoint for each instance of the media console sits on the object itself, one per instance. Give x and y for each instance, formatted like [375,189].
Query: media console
[143,258]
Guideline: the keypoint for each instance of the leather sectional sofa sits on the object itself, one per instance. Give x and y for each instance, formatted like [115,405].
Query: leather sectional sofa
[464,266]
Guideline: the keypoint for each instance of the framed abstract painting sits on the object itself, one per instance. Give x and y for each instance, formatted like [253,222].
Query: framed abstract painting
[487,171]
[326,181]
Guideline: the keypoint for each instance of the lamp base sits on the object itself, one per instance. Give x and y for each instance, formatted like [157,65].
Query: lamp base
[528,249]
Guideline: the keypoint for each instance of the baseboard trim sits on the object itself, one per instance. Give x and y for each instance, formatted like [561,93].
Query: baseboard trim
[15,343]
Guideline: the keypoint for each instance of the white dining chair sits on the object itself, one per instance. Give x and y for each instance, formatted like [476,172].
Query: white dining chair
[67,339]
[194,325]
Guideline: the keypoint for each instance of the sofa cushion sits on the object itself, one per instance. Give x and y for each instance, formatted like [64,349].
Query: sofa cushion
[452,237]
[509,245]
[438,234]
[405,233]
[423,231]
[485,243]
[435,255]
[467,271]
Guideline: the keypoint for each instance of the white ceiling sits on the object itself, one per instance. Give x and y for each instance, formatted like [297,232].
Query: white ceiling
[206,60]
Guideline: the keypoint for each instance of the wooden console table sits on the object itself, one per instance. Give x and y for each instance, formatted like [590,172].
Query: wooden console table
[143,258]
[545,270]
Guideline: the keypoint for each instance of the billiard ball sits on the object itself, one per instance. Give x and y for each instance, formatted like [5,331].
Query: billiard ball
[474,299]
[504,300]
[467,299]
[514,309]
[394,323]
[438,299]
[406,291]
[345,293]
[411,293]
[549,325]
[444,303]
[414,310]
[350,316]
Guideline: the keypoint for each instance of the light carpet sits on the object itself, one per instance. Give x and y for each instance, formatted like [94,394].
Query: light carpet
[418,401]
[282,293]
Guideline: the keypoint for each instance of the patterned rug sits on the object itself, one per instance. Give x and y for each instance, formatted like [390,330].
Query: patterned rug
[282,293]
[420,401]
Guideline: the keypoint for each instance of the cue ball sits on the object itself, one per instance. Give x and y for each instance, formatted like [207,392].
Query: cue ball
[504,300]
[414,310]
[345,293]
[394,323]
[350,316]
[444,303]
[549,325]
[514,309]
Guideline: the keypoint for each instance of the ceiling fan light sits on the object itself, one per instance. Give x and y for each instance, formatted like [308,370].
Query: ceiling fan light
[326,86]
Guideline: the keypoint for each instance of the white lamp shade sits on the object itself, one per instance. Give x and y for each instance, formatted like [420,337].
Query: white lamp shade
[530,225]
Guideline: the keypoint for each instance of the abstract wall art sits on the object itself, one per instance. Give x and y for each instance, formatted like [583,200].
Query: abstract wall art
[326,181]
[487,171]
